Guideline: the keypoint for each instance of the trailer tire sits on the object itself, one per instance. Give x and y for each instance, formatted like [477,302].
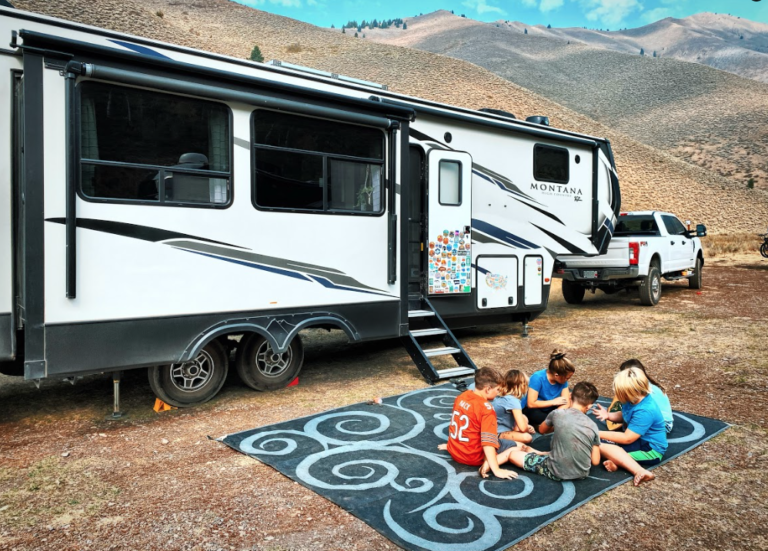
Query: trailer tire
[194,382]
[572,292]
[650,287]
[262,369]
[694,282]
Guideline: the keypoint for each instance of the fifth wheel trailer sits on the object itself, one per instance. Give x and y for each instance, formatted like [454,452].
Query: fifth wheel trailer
[160,204]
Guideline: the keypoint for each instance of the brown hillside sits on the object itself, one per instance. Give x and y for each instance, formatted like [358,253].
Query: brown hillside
[711,118]
[650,178]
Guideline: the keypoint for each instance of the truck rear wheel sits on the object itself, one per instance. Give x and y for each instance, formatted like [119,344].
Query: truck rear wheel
[261,368]
[694,282]
[650,287]
[572,292]
[194,382]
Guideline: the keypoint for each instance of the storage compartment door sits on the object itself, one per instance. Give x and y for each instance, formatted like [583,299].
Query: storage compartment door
[496,282]
[533,280]
[449,239]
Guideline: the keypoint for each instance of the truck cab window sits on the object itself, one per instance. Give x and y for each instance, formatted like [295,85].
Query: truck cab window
[137,145]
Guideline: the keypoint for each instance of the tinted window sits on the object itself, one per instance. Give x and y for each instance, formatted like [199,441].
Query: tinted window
[637,225]
[450,183]
[673,225]
[550,164]
[137,145]
[310,164]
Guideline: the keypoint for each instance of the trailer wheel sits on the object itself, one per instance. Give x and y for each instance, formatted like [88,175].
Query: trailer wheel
[650,287]
[694,282]
[194,382]
[572,292]
[261,368]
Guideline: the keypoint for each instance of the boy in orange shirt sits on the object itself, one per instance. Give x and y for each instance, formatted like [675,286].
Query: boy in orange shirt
[472,439]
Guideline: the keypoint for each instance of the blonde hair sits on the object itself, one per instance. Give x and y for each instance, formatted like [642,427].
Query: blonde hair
[630,385]
[515,383]
[559,364]
[637,363]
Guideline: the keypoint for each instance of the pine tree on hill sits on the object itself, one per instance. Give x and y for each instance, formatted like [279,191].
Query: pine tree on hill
[256,55]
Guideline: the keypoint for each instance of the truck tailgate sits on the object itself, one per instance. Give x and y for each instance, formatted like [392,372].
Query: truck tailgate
[617,256]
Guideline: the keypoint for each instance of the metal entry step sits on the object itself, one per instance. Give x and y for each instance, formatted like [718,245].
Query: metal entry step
[425,314]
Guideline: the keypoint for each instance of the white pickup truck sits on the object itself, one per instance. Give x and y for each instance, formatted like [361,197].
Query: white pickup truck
[646,246]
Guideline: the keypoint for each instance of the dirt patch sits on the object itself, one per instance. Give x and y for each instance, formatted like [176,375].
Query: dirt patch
[72,480]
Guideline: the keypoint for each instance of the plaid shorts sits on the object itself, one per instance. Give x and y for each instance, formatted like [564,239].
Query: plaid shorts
[535,463]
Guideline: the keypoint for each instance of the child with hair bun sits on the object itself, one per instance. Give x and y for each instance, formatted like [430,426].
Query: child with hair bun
[509,404]
[548,389]
[644,442]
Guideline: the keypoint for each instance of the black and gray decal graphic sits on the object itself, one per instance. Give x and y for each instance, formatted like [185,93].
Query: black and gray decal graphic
[330,278]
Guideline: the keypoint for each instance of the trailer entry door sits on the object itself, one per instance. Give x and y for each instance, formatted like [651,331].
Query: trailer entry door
[449,240]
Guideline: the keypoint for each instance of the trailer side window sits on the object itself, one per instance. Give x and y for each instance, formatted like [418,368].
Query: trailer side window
[308,164]
[450,183]
[550,164]
[150,147]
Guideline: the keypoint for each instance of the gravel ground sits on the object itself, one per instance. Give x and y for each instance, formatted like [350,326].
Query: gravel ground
[69,479]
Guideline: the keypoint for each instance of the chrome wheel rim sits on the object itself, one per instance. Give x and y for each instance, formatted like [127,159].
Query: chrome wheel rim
[655,286]
[194,374]
[270,363]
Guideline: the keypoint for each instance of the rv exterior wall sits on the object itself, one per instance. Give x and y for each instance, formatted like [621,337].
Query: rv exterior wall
[7,331]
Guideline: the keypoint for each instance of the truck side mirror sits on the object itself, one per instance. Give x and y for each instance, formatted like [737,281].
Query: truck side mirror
[701,230]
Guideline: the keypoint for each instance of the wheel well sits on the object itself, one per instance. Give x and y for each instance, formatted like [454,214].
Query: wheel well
[278,331]
[701,257]
[656,261]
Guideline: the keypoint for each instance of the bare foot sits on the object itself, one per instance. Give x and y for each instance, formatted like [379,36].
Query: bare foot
[610,466]
[442,447]
[643,476]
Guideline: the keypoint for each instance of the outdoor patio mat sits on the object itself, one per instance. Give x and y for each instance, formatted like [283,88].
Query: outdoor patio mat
[380,462]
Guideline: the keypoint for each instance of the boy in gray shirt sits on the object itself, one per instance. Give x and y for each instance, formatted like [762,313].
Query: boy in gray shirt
[575,444]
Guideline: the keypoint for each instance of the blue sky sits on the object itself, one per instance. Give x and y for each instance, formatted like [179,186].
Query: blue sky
[602,14]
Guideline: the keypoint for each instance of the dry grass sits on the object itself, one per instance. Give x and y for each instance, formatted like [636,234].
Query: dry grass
[731,243]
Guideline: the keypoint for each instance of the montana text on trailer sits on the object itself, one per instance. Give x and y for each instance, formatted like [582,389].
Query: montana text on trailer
[163,206]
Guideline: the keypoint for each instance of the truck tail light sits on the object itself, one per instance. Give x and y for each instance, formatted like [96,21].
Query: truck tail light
[634,253]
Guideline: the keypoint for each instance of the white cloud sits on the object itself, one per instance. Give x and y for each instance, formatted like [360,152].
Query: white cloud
[609,12]
[481,7]
[656,14]
[549,5]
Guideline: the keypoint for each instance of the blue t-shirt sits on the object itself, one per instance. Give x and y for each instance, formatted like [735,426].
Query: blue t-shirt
[644,418]
[503,406]
[546,390]
[662,400]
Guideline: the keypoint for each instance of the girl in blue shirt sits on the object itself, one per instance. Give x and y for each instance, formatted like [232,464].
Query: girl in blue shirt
[548,389]
[509,404]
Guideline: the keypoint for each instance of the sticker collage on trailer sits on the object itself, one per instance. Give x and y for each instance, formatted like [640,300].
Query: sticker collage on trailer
[450,263]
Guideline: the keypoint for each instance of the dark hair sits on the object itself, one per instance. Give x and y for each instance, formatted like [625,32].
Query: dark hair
[486,377]
[559,364]
[638,364]
[585,393]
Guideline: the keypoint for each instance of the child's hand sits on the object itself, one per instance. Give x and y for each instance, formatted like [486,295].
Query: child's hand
[503,473]
[600,412]
[531,430]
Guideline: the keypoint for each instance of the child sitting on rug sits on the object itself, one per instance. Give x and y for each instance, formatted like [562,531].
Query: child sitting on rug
[644,441]
[658,393]
[509,404]
[575,444]
[548,389]
[472,438]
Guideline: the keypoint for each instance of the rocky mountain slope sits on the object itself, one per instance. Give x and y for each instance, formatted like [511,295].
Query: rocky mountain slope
[711,118]
[651,178]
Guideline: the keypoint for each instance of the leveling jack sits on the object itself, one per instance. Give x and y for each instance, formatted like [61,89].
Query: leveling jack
[116,413]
